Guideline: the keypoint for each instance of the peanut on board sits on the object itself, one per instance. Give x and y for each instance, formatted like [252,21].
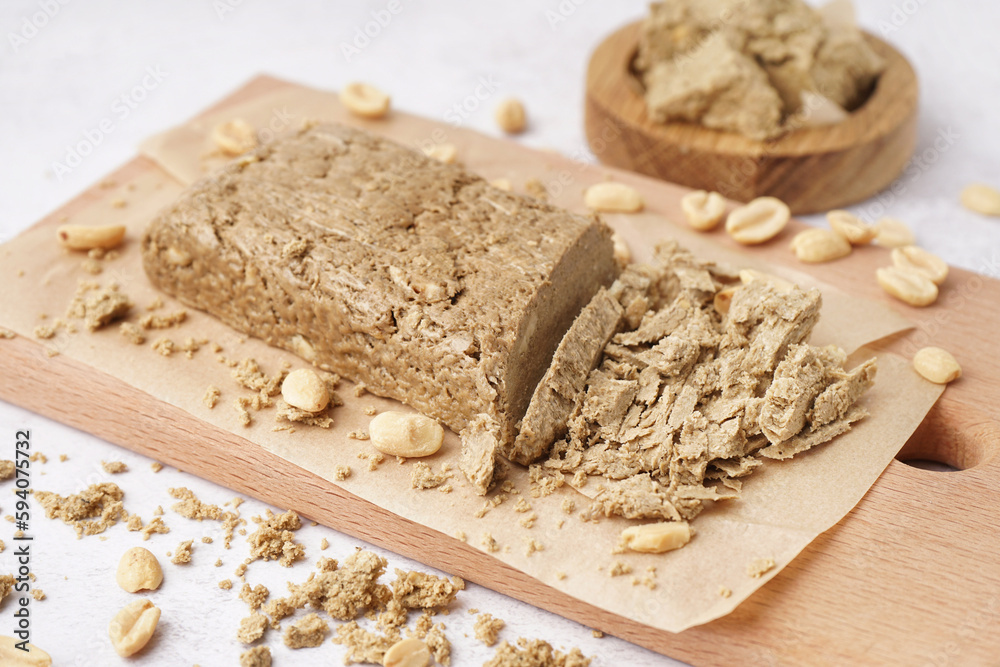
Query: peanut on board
[304,389]
[405,434]
[133,626]
[759,221]
[893,233]
[656,538]
[981,198]
[623,254]
[138,570]
[407,653]
[937,365]
[918,259]
[364,100]
[11,656]
[907,285]
[747,276]
[510,116]
[612,197]
[502,184]
[703,210]
[819,245]
[446,153]
[82,237]
[234,137]
[851,227]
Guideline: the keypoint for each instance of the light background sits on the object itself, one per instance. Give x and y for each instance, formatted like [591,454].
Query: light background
[63,73]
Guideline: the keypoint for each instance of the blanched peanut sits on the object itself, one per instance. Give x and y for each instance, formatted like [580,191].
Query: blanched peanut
[613,198]
[510,116]
[747,276]
[820,245]
[407,653]
[723,299]
[364,100]
[937,365]
[81,237]
[446,153]
[138,570]
[703,210]
[893,233]
[907,285]
[623,255]
[918,259]
[234,137]
[759,221]
[11,656]
[981,199]
[656,538]
[850,227]
[405,434]
[502,184]
[304,389]
[133,626]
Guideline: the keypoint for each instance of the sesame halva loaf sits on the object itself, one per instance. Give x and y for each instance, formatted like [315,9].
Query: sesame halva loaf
[414,277]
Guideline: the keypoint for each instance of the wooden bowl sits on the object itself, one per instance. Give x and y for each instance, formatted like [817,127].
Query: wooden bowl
[811,169]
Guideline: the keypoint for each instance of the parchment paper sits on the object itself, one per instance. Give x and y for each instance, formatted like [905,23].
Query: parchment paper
[784,506]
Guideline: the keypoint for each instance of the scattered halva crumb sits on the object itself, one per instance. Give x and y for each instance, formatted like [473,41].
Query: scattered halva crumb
[211,397]
[487,628]
[274,539]
[114,467]
[309,631]
[251,628]
[259,656]
[535,653]
[759,567]
[182,554]
[90,512]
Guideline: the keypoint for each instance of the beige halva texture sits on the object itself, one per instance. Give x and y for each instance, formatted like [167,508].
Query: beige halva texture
[502,317]
[415,277]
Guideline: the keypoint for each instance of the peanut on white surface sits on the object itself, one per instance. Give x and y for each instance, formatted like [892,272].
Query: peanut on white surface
[703,210]
[851,227]
[133,626]
[234,137]
[907,285]
[304,389]
[893,233]
[759,221]
[82,237]
[510,116]
[405,434]
[139,570]
[407,653]
[937,365]
[916,258]
[656,538]
[11,656]
[612,197]
[981,198]
[820,245]
[364,100]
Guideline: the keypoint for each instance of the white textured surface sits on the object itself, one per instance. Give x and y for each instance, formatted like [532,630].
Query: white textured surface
[59,83]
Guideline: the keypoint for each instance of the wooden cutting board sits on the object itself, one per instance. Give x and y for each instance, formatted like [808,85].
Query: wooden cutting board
[911,576]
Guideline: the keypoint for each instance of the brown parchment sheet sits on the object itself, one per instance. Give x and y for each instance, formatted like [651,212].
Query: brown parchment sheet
[784,505]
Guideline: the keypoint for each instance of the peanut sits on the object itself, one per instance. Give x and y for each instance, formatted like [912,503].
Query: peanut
[981,199]
[364,100]
[510,116]
[656,538]
[893,233]
[723,299]
[81,237]
[502,184]
[907,285]
[819,245]
[405,434]
[446,153]
[139,570]
[133,626]
[623,255]
[850,227]
[759,221]
[613,198]
[703,210]
[234,137]
[918,259]
[305,390]
[407,653]
[11,656]
[937,365]
[747,276]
